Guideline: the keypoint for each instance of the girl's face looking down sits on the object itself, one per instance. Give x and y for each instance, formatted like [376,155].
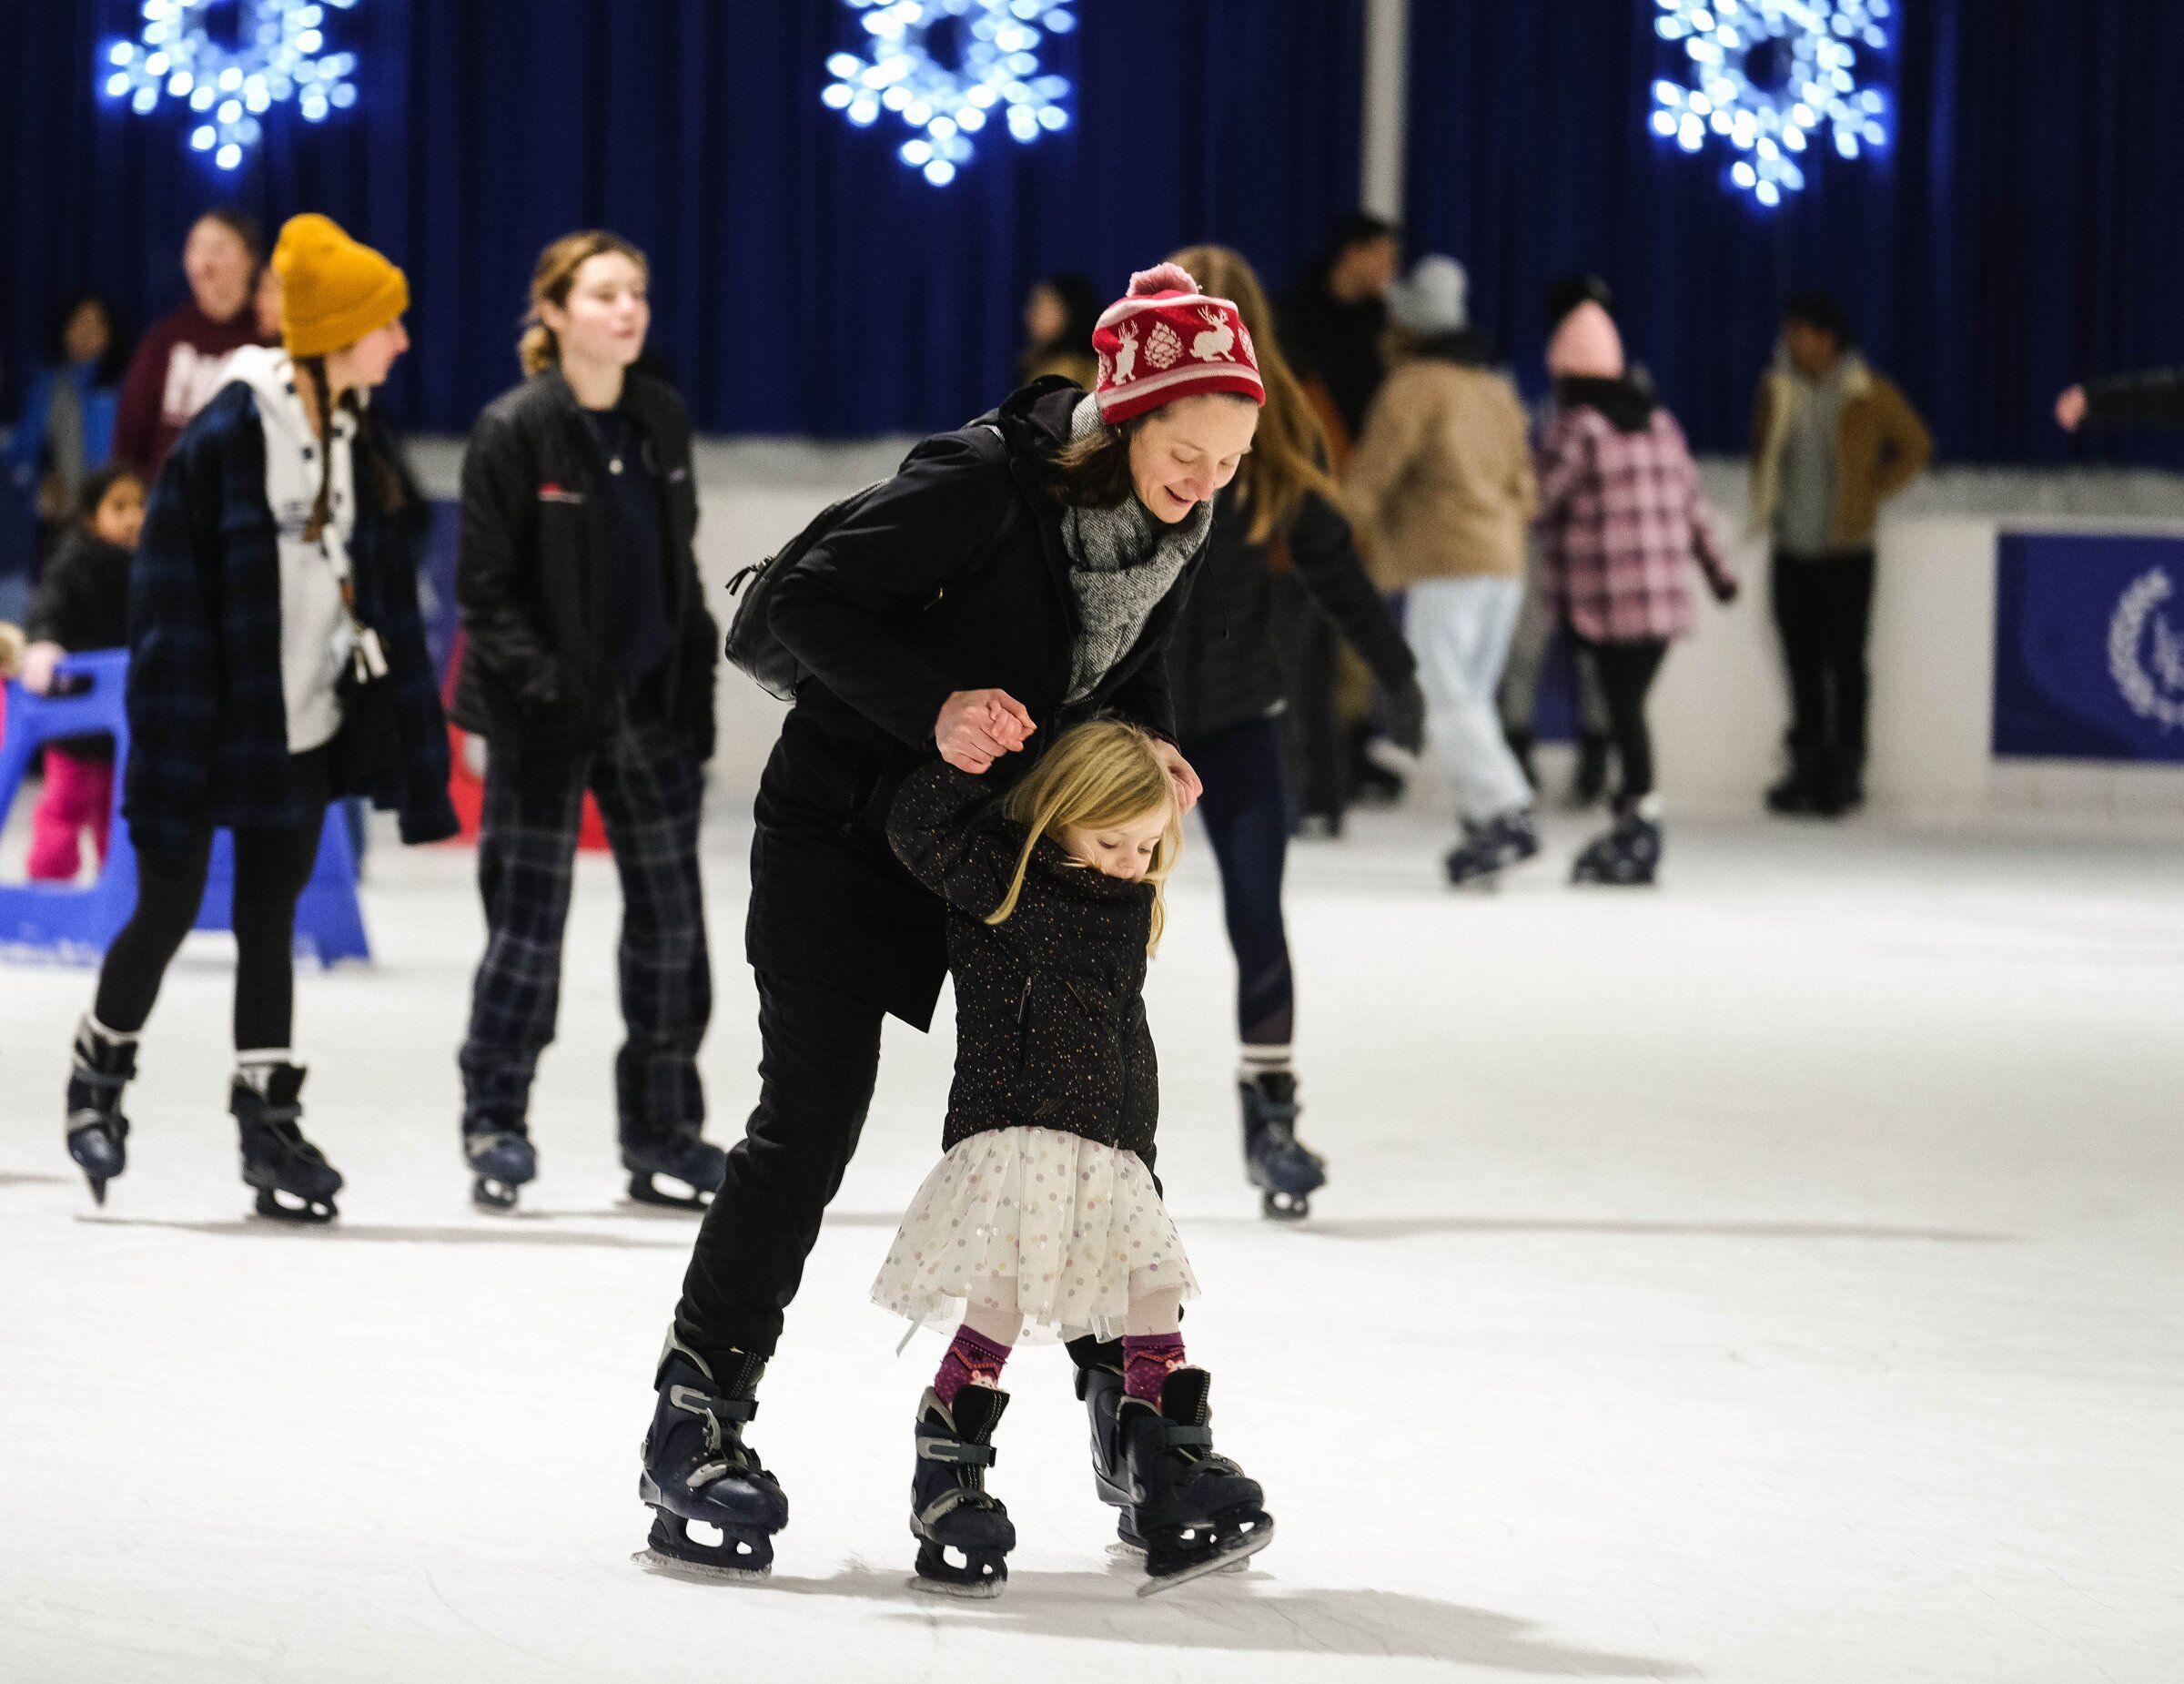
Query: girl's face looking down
[1125,850]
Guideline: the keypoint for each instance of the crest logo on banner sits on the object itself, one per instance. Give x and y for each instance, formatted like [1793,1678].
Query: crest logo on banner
[2146,651]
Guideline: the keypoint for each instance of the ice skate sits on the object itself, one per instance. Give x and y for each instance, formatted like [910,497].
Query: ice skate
[1194,1511]
[963,1531]
[104,1063]
[698,1469]
[697,1164]
[294,1182]
[1489,849]
[501,1161]
[1629,856]
[1286,1171]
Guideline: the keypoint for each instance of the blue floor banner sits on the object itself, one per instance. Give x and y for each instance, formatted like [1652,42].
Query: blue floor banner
[2089,646]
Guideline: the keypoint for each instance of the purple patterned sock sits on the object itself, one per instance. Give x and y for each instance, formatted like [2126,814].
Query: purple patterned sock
[971,1357]
[1147,1359]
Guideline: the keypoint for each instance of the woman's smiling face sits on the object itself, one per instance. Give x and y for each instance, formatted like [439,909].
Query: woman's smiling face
[1181,455]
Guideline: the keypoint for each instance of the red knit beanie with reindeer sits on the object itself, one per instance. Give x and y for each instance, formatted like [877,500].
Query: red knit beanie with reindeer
[1165,339]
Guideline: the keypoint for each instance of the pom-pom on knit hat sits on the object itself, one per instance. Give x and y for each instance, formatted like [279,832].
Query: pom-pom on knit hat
[334,290]
[1165,339]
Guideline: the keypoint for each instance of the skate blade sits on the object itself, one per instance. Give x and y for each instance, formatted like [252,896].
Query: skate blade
[494,1198]
[981,1590]
[311,1213]
[1228,1560]
[643,1189]
[699,1572]
[1133,1555]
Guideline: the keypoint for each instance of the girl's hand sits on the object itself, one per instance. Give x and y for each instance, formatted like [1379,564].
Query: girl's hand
[2071,408]
[38,663]
[976,727]
[1188,786]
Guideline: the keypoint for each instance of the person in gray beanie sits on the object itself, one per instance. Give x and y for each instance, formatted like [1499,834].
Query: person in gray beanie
[1441,488]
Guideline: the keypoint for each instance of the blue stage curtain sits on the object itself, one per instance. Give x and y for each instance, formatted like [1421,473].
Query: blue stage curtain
[806,281]
[2020,234]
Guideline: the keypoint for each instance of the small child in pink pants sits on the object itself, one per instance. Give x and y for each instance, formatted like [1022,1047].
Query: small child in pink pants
[82,603]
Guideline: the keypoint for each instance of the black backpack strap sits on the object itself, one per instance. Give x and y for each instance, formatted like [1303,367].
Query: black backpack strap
[992,448]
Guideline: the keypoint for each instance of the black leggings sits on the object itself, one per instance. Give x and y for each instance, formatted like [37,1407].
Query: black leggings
[1626,672]
[271,867]
[1246,807]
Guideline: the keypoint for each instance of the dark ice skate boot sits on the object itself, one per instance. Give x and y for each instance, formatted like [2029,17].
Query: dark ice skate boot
[1629,856]
[501,1161]
[294,1182]
[103,1064]
[685,1157]
[1285,1170]
[698,1469]
[1197,1511]
[963,1531]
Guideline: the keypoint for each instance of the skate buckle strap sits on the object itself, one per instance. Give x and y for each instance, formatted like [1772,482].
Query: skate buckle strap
[1184,1435]
[693,1401]
[956,1450]
[954,1499]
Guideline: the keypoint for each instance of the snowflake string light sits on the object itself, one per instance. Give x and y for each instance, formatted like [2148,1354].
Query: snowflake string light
[279,56]
[994,75]
[1767,76]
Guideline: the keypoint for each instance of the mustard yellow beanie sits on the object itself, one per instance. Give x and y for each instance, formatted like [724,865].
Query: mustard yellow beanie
[334,290]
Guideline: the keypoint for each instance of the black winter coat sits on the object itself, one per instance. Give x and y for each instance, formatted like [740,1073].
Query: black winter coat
[1050,1029]
[82,603]
[1223,664]
[534,538]
[953,577]
[2151,398]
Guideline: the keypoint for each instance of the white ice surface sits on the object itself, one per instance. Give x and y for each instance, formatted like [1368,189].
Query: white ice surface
[1772,1280]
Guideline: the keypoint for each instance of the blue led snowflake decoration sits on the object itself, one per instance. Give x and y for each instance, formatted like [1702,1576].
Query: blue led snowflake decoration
[1767,75]
[996,76]
[279,56]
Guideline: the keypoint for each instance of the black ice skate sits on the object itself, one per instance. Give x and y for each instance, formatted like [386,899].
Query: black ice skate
[1488,850]
[1285,1170]
[697,1468]
[697,1164]
[1196,1511]
[1101,1390]
[1629,856]
[104,1063]
[963,1531]
[294,1182]
[500,1160]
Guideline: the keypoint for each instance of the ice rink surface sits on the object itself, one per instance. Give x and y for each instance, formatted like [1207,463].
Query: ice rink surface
[1773,1279]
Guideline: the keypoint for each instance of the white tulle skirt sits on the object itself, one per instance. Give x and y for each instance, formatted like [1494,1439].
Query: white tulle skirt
[1064,1231]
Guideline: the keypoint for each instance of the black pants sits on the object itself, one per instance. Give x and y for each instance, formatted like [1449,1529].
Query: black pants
[1246,807]
[1824,609]
[649,788]
[819,1059]
[1626,672]
[271,867]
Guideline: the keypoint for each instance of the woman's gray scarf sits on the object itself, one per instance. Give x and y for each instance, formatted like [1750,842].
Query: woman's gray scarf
[1122,561]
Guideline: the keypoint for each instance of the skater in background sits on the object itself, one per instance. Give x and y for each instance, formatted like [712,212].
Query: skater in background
[1831,441]
[1058,331]
[1441,485]
[1223,667]
[1017,575]
[66,430]
[2149,398]
[82,603]
[1622,520]
[1054,905]
[277,661]
[588,664]
[181,362]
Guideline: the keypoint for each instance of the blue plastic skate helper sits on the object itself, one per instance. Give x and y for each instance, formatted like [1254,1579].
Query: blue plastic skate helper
[78,925]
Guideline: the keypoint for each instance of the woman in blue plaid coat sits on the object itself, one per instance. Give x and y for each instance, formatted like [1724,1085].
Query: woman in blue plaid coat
[277,662]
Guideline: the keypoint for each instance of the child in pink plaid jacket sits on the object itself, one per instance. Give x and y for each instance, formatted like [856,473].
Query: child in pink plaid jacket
[1622,521]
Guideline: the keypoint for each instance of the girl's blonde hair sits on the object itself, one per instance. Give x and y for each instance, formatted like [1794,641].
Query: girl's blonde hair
[552,281]
[1289,455]
[1099,774]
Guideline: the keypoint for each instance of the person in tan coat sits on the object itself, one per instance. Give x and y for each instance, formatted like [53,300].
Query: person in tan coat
[1440,490]
[1831,441]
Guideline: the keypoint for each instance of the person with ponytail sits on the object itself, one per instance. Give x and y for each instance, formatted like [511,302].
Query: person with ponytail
[276,661]
[1225,665]
[588,666]
[1017,575]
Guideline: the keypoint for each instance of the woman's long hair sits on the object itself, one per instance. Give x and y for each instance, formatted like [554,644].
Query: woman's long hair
[372,455]
[1288,457]
[1102,773]
[550,282]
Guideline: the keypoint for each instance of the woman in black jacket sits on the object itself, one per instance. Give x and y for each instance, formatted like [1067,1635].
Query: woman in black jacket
[1226,672]
[1017,575]
[588,664]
